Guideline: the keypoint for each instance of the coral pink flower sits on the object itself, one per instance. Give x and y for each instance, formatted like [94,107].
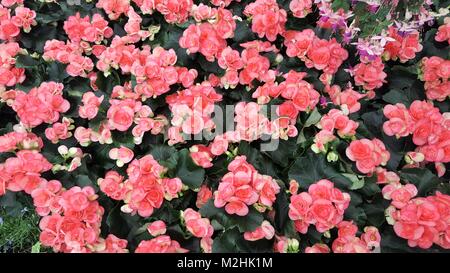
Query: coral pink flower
[90,106]
[323,206]
[24,18]
[443,33]
[46,197]
[421,221]
[25,169]
[268,19]
[370,75]
[172,186]
[112,244]
[59,130]
[42,104]
[121,113]
[201,155]
[122,155]
[368,154]
[197,226]
[160,244]
[112,185]
[242,187]
[318,248]
[156,228]
[436,73]
[300,8]
[347,242]
[203,196]
[404,47]
[399,123]
[114,8]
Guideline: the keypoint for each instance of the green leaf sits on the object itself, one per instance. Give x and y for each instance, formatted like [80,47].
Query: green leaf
[357,183]
[36,248]
[165,155]
[313,118]
[243,32]
[56,72]
[312,167]
[340,4]
[191,174]
[26,61]
[357,214]
[375,211]
[423,179]
[83,180]
[257,159]
[116,222]
[281,206]
[226,242]
[405,97]
[10,203]
[284,152]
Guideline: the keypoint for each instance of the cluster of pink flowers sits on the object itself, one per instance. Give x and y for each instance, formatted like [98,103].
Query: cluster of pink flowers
[443,33]
[348,242]
[122,155]
[112,185]
[325,55]
[10,75]
[86,29]
[436,74]
[209,38]
[85,136]
[203,195]
[423,221]
[41,104]
[243,186]
[81,32]
[368,154]
[199,227]
[91,103]
[370,75]
[10,26]
[154,69]
[23,172]
[334,120]
[174,11]
[251,124]
[323,206]
[145,189]
[114,8]
[59,130]
[15,140]
[429,128]
[404,45]
[160,244]
[191,109]
[301,8]
[72,220]
[268,19]
[348,99]
[299,95]
[255,66]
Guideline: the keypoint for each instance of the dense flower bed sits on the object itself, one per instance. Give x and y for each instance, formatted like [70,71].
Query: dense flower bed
[308,126]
